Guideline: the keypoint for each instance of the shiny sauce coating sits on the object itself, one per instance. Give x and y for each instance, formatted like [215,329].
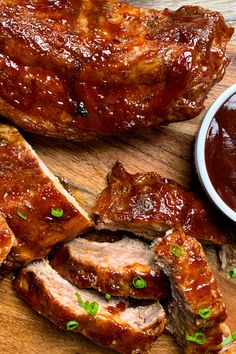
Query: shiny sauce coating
[220,152]
[78,69]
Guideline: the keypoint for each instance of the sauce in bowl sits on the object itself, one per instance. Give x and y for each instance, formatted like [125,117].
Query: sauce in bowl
[220,152]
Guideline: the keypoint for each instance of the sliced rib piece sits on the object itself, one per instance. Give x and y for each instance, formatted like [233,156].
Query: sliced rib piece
[28,192]
[194,288]
[111,267]
[7,239]
[147,204]
[116,325]
[93,68]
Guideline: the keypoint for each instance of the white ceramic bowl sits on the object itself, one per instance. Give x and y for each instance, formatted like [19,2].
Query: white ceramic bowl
[200,153]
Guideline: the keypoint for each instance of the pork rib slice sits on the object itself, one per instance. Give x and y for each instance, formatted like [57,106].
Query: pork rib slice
[7,239]
[116,325]
[28,193]
[194,290]
[103,67]
[147,204]
[111,267]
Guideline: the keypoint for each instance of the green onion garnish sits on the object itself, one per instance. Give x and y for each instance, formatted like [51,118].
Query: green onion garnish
[139,283]
[72,325]
[108,297]
[205,313]
[58,213]
[21,215]
[176,249]
[93,308]
[90,307]
[229,339]
[232,273]
[197,337]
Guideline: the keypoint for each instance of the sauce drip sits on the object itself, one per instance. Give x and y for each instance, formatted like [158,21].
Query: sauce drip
[220,152]
[121,307]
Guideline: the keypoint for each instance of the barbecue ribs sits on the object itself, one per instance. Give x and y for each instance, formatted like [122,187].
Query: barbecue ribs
[147,205]
[81,69]
[30,198]
[111,267]
[116,324]
[197,306]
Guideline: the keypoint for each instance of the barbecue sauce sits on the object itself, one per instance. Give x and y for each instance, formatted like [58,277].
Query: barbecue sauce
[220,152]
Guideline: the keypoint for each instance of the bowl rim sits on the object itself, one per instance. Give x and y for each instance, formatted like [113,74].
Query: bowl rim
[200,153]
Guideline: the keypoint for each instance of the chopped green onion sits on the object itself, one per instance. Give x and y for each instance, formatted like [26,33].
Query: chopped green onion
[90,307]
[21,215]
[232,274]
[139,283]
[176,249]
[72,325]
[205,313]
[80,301]
[229,339]
[197,337]
[108,297]
[58,213]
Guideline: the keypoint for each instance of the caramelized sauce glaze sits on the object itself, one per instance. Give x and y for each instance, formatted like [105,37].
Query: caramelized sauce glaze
[84,67]
[147,199]
[27,189]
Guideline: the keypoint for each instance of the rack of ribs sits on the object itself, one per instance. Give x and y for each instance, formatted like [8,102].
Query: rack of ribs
[102,67]
[147,205]
[39,211]
[197,313]
[111,267]
[115,323]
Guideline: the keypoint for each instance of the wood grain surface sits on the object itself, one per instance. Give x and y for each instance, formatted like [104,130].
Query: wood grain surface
[167,150]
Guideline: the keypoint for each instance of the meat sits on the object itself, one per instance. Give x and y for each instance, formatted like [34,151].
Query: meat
[111,267]
[113,324]
[33,202]
[197,305]
[7,239]
[93,68]
[147,204]
[227,255]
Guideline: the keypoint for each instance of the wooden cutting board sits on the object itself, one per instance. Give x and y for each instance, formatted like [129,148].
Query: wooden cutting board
[166,150]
